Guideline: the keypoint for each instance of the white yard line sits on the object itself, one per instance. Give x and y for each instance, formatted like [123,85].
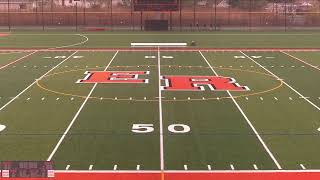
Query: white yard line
[315,67]
[301,96]
[77,114]
[247,119]
[14,98]
[6,65]
[302,166]
[160,114]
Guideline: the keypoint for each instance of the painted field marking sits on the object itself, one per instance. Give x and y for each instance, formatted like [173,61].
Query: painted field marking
[115,167]
[318,108]
[77,114]
[209,167]
[246,118]
[185,167]
[90,167]
[14,98]
[149,57]
[67,167]
[160,113]
[6,65]
[294,57]
[255,167]
[303,167]
[167,57]
[2,127]
[159,45]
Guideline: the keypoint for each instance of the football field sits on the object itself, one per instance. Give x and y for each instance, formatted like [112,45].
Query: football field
[156,110]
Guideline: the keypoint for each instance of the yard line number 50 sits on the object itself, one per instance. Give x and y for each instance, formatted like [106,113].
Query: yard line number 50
[148,128]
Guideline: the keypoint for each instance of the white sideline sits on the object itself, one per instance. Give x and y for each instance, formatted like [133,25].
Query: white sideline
[160,114]
[35,82]
[301,96]
[77,114]
[158,44]
[247,119]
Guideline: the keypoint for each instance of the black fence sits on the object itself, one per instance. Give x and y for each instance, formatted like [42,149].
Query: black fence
[193,15]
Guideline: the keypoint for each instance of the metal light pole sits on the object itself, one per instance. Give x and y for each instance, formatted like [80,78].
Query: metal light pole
[9,20]
[42,15]
[76,16]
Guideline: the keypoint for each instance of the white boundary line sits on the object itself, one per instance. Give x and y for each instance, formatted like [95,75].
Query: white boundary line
[294,57]
[301,96]
[36,81]
[160,113]
[247,119]
[77,114]
[71,45]
[189,171]
[21,58]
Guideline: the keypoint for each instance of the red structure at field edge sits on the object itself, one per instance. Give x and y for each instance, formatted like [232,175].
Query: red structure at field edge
[4,34]
[245,175]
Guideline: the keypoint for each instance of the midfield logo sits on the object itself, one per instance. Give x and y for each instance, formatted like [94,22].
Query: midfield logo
[114,77]
[171,83]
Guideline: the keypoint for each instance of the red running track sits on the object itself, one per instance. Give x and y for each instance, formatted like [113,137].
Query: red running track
[245,175]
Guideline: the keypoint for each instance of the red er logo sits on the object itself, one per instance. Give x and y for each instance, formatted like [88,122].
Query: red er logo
[114,77]
[197,83]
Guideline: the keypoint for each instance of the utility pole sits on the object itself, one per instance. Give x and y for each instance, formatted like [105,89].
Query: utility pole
[76,16]
[9,20]
[215,15]
[42,15]
[285,15]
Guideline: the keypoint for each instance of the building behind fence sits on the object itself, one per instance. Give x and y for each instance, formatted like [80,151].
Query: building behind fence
[204,15]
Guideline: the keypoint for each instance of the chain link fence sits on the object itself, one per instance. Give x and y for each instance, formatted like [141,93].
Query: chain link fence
[193,15]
